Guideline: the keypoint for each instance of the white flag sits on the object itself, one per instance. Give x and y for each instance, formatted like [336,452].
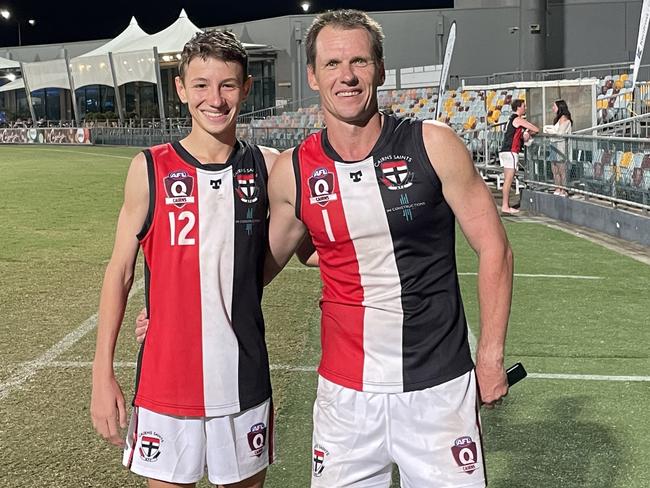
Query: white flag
[444,73]
[643,30]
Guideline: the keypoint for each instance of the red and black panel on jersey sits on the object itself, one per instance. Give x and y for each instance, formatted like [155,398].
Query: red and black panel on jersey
[512,136]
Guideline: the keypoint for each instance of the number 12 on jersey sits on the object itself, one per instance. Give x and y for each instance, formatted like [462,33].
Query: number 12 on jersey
[185,229]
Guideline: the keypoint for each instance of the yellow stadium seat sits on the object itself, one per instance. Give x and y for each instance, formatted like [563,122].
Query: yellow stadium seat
[471,123]
[626,160]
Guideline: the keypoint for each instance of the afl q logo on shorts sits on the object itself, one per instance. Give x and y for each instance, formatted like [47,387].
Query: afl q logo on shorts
[321,187]
[464,451]
[257,439]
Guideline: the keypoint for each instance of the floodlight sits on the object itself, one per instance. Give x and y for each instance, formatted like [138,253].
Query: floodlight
[5,13]
[305,6]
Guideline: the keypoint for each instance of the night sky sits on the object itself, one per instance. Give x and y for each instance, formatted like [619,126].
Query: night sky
[82,20]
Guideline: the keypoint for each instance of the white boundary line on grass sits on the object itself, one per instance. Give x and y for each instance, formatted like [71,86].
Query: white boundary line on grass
[30,368]
[608,242]
[79,152]
[312,369]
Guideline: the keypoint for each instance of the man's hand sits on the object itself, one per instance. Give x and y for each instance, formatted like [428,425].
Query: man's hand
[492,382]
[107,409]
[141,325]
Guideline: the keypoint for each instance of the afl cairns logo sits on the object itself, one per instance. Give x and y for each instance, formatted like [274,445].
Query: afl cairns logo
[321,187]
[465,454]
[179,186]
[257,439]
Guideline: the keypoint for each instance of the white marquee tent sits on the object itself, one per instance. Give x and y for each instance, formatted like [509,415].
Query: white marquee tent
[131,56]
[126,38]
[18,84]
[169,40]
[8,63]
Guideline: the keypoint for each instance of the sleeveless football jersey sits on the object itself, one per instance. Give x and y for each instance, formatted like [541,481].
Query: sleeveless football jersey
[512,137]
[204,242]
[392,316]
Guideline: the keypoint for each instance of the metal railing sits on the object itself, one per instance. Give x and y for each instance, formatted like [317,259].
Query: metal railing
[280,138]
[291,106]
[636,126]
[616,169]
[589,71]
[484,144]
[136,136]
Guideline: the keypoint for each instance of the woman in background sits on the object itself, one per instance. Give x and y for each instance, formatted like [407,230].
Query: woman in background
[559,149]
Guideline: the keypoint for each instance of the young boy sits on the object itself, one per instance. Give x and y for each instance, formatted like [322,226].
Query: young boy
[198,210]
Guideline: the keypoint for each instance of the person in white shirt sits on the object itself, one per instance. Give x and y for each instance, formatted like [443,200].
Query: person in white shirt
[559,148]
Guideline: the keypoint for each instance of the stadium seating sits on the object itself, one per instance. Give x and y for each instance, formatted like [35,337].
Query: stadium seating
[614,98]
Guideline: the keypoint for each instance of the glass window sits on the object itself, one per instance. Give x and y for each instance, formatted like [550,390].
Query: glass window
[107,98]
[148,99]
[38,102]
[52,103]
[91,103]
[22,108]
[263,91]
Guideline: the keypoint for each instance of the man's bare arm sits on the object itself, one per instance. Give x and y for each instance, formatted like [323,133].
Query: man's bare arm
[475,210]
[521,122]
[107,401]
[286,232]
[306,252]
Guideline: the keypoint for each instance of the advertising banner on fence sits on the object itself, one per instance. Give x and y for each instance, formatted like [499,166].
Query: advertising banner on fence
[49,135]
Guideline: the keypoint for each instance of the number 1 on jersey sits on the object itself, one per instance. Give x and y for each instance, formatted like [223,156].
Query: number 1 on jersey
[183,240]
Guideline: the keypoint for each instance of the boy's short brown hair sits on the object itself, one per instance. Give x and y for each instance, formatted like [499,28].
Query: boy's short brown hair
[217,44]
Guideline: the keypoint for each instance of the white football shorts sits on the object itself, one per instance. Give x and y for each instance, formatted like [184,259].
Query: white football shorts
[433,435]
[180,449]
[508,159]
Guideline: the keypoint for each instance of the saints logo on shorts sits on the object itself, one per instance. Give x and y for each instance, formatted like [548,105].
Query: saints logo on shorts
[319,460]
[150,446]
[257,439]
[464,451]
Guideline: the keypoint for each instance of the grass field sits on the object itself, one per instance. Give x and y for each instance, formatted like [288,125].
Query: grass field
[579,309]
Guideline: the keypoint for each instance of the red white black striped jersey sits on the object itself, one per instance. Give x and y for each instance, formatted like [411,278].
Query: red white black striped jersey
[392,316]
[512,136]
[204,242]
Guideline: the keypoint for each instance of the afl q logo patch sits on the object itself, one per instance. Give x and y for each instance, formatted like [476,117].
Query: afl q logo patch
[321,187]
[465,454]
[179,186]
[257,439]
